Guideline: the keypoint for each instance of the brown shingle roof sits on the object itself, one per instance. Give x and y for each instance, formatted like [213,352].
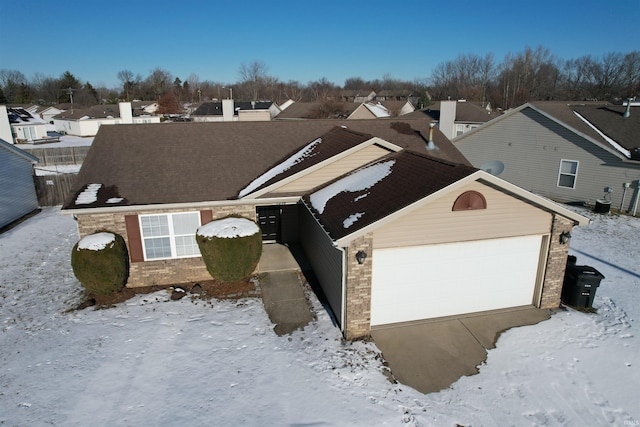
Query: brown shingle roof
[197,162]
[411,177]
[304,110]
[610,121]
[332,143]
[466,112]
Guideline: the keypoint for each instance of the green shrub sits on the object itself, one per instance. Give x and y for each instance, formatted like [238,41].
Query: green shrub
[230,247]
[101,263]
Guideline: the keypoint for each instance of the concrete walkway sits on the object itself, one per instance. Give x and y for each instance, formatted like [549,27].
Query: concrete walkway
[431,355]
[282,294]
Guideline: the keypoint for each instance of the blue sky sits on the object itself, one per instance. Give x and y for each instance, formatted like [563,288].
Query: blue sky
[299,40]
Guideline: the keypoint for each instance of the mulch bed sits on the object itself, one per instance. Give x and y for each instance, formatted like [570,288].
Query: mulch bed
[205,289]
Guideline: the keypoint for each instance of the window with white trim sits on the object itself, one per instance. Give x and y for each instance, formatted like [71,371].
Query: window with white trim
[568,173]
[169,235]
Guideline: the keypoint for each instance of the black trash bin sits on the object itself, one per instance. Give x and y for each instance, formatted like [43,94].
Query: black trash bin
[580,285]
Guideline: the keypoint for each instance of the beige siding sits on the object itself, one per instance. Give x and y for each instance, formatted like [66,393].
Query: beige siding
[435,222]
[254,115]
[333,170]
[361,112]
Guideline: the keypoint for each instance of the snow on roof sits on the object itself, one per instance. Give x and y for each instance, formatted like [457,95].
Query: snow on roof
[281,167]
[89,195]
[613,143]
[229,228]
[97,241]
[352,218]
[378,110]
[360,180]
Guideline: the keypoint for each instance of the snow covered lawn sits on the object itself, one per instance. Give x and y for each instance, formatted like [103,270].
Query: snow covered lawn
[153,361]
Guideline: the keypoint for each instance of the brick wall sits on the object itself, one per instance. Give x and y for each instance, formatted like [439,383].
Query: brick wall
[358,303]
[556,264]
[161,272]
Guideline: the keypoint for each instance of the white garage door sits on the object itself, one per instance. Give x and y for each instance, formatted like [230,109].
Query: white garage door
[430,281]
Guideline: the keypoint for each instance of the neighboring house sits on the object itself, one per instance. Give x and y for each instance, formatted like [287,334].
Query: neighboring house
[229,110]
[396,224]
[19,126]
[311,110]
[457,117]
[87,121]
[18,192]
[571,153]
[376,110]
[357,96]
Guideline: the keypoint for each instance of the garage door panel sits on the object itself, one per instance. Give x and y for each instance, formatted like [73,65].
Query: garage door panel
[421,282]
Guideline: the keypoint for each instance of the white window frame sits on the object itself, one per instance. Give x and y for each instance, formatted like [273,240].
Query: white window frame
[574,175]
[172,235]
[460,129]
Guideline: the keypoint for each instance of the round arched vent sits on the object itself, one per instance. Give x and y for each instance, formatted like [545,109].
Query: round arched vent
[470,200]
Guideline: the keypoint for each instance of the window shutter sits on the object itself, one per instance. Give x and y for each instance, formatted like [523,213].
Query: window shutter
[206,217]
[135,240]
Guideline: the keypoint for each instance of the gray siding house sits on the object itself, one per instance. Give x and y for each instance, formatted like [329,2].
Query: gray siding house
[17,189]
[570,153]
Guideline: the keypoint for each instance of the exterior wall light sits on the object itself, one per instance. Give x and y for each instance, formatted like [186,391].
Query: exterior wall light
[361,256]
[564,237]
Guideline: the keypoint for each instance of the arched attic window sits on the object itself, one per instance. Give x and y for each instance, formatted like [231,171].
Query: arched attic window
[469,200]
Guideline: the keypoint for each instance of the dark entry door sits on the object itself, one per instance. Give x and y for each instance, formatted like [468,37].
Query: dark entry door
[269,220]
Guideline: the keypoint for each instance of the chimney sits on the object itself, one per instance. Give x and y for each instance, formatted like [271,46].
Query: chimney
[5,126]
[227,110]
[447,123]
[627,112]
[126,114]
[430,145]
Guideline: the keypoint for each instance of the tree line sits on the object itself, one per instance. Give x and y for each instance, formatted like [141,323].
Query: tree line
[530,75]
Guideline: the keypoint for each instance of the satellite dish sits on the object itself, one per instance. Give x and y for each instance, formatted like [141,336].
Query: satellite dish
[494,167]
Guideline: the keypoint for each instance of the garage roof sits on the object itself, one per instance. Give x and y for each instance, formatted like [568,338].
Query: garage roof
[374,191]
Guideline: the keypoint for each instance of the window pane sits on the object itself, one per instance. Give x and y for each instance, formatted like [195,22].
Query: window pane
[187,245]
[157,248]
[567,181]
[569,167]
[157,225]
[186,223]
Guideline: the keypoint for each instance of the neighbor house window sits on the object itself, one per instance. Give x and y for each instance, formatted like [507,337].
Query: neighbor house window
[459,130]
[170,235]
[568,173]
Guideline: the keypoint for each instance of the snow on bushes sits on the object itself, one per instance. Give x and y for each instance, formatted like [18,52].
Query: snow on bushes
[101,263]
[230,247]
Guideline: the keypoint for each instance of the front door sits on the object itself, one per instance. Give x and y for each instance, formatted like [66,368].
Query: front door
[269,220]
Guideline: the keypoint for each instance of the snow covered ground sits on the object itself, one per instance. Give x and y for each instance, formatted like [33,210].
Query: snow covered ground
[153,361]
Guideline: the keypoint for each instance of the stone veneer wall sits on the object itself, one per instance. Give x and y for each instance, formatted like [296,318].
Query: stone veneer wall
[556,264]
[161,272]
[358,295]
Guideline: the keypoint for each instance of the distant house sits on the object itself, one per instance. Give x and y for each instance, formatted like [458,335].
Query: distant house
[357,96]
[87,121]
[398,227]
[19,126]
[567,152]
[229,110]
[457,117]
[376,110]
[17,193]
[316,110]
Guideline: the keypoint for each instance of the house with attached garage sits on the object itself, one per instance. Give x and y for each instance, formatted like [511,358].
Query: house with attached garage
[587,153]
[395,222]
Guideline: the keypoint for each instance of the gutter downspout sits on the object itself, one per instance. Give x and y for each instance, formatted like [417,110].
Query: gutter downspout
[343,308]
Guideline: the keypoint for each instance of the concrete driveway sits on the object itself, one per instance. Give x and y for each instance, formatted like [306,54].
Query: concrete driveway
[431,355]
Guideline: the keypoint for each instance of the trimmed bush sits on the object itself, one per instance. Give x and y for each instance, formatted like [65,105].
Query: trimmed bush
[101,263]
[230,247]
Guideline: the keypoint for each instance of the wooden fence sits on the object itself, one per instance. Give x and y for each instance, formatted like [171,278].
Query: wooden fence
[52,190]
[60,155]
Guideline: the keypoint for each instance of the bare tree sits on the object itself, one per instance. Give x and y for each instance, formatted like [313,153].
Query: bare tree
[252,76]
[10,82]
[126,78]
